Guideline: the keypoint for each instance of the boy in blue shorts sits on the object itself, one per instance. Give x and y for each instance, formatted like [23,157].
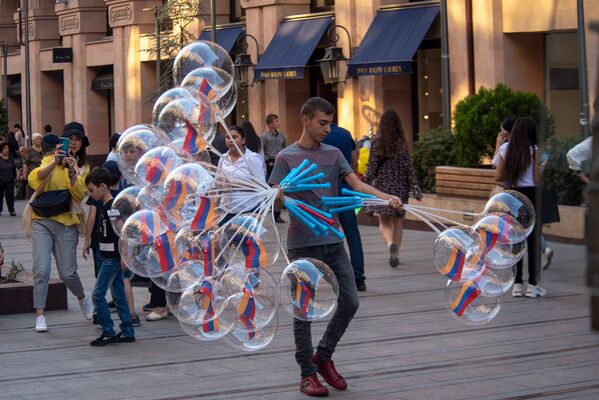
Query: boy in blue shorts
[110,275]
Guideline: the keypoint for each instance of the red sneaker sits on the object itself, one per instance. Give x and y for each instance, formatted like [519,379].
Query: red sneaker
[311,386]
[329,373]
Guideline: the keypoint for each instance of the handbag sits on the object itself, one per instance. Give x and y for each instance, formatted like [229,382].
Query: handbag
[51,203]
[550,209]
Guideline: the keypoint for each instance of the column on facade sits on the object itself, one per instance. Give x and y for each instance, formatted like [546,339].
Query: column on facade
[263,18]
[128,21]
[80,23]
[9,34]
[46,94]
[360,100]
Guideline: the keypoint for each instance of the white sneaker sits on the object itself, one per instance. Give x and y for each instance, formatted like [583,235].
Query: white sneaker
[87,308]
[517,290]
[40,324]
[546,257]
[535,291]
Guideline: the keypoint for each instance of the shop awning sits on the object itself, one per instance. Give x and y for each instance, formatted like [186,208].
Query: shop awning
[104,81]
[391,41]
[291,48]
[226,36]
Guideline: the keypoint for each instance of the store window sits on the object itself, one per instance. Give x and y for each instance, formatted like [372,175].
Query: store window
[322,5]
[563,97]
[429,89]
[237,12]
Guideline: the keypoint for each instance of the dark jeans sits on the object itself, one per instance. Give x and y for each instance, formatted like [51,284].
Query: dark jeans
[349,223]
[111,277]
[534,259]
[347,304]
[7,190]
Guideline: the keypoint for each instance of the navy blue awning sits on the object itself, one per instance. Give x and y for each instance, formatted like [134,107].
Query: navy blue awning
[225,36]
[291,48]
[391,41]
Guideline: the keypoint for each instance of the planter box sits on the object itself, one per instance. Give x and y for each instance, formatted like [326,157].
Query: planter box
[18,297]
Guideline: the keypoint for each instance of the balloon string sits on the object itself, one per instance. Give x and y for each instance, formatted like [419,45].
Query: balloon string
[431,225]
[436,217]
[432,217]
[444,210]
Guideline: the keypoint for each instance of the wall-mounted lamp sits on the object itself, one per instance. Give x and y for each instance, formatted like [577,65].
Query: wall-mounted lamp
[243,61]
[330,64]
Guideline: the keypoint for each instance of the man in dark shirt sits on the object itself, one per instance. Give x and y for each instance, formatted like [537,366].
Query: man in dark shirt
[343,140]
[316,117]
[273,141]
[110,276]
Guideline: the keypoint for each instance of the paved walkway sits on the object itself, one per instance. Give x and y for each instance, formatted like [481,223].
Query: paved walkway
[401,345]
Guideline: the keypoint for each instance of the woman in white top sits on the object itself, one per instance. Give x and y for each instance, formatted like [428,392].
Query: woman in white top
[244,166]
[518,169]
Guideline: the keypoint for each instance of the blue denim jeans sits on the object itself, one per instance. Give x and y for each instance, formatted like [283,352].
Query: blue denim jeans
[110,276]
[347,304]
[349,223]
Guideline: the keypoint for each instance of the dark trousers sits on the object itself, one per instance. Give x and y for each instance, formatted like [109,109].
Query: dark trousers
[347,304]
[157,296]
[349,223]
[532,242]
[7,191]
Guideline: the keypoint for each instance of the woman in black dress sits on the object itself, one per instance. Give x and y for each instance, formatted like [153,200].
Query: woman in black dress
[390,170]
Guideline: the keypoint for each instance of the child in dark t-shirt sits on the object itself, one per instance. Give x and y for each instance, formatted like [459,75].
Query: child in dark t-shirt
[110,274]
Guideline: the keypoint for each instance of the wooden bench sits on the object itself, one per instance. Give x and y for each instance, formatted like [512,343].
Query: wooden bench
[464,182]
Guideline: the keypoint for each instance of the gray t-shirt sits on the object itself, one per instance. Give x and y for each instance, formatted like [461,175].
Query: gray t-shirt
[330,161]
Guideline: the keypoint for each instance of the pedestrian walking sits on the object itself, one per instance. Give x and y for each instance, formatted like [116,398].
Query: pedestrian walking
[390,170]
[316,117]
[273,141]
[344,141]
[8,174]
[54,227]
[34,158]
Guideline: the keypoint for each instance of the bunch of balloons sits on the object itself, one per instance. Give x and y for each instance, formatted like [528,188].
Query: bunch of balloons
[479,261]
[177,222]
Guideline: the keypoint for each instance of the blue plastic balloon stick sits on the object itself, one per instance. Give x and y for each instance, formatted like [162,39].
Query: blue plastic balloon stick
[303,173]
[340,200]
[346,208]
[314,177]
[293,173]
[359,194]
[323,213]
[336,232]
[296,211]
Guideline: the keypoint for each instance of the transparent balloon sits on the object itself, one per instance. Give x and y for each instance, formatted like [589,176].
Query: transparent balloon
[452,252]
[147,245]
[503,240]
[466,301]
[309,289]
[200,54]
[130,148]
[185,275]
[165,98]
[212,82]
[249,240]
[155,165]
[201,303]
[190,119]
[226,104]
[150,197]
[188,245]
[205,331]
[503,277]
[252,298]
[185,198]
[516,205]
[123,206]
[244,340]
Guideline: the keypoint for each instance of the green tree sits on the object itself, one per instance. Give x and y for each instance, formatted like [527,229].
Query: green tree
[177,19]
[477,119]
[435,148]
[558,175]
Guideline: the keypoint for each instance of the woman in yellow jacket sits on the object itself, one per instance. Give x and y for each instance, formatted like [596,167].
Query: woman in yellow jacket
[58,234]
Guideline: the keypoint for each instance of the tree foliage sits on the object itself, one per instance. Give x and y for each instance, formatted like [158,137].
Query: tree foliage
[178,20]
[478,117]
[435,148]
[558,175]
